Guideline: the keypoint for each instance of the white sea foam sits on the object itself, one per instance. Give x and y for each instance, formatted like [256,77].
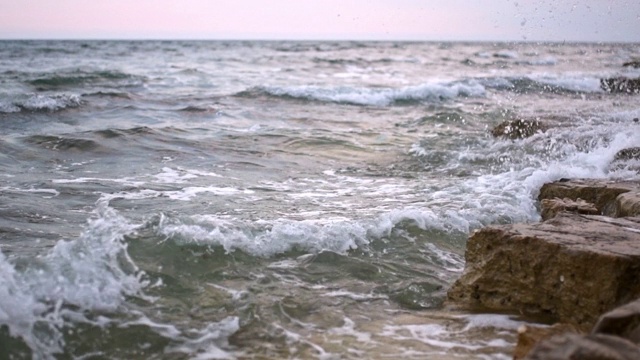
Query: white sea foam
[39,102]
[349,329]
[452,337]
[125,181]
[546,61]
[584,150]
[91,273]
[381,96]
[267,239]
[172,176]
[52,192]
[577,83]
[355,296]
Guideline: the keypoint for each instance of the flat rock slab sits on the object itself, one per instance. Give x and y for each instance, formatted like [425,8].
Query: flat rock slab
[549,208]
[571,269]
[602,193]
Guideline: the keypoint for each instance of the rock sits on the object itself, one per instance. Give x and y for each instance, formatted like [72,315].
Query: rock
[620,85]
[570,269]
[601,193]
[616,335]
[551,207]
[627,159]
[627,204]
[591,347]
[628,154]
[530,336]
[633,64]
[518,129]
[623,321]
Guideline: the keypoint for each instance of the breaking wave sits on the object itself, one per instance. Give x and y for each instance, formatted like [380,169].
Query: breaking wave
[40,103]
[429,92]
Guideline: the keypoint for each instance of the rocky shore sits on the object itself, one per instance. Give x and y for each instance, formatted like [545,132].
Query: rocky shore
[569,269]
[578,270]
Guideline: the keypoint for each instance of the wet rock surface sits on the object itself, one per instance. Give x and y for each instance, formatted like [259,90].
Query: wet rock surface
[518,129]
[603,194]
[570,269]
[549,208]
[616,335]
[623,321]
[590,347]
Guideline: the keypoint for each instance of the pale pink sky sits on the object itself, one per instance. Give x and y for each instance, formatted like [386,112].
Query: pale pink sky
[587,20]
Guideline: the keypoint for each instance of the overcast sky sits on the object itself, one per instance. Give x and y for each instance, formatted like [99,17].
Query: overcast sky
[551,20]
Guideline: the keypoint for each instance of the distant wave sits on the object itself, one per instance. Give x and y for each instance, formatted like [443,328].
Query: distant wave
[373,96]
[75,78]
[38,102]
[545,84]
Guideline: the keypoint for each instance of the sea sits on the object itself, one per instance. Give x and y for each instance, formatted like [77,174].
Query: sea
[280,199]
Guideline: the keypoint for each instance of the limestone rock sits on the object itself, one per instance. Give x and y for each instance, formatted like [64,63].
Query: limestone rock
[620,85]
[530,336]
[591,347]
[628,204]
[601,193]
[551,207]
[518,129]
[623,321]
[571,268]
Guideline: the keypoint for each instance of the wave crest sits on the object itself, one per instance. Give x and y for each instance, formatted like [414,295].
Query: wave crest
[40,103]
[428,92]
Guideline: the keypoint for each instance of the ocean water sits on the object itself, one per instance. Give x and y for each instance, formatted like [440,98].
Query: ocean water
[278,200]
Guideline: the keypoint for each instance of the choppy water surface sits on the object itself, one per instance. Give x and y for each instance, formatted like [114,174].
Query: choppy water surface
[214,200]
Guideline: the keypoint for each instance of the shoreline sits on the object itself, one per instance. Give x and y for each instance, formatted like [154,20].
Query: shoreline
[569,269]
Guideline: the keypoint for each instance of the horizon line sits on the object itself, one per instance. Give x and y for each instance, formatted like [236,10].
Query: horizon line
[194,39]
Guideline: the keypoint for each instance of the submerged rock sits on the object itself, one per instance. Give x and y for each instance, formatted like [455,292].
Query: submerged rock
[518,129]
[620,85]
[570,269]
[549,208]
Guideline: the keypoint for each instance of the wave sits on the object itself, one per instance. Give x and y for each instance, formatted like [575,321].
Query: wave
[91,273]
[59,143]
[554,84]
[78,78]
[508,174]
[51,303]
[40,103]
[429,92]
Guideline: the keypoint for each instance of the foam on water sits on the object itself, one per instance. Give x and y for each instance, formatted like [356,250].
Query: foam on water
[433,91]
[91,273]
[506,190]
[39,102]
[577,82]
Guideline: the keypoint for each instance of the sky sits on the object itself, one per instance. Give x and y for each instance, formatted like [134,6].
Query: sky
[429,20]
